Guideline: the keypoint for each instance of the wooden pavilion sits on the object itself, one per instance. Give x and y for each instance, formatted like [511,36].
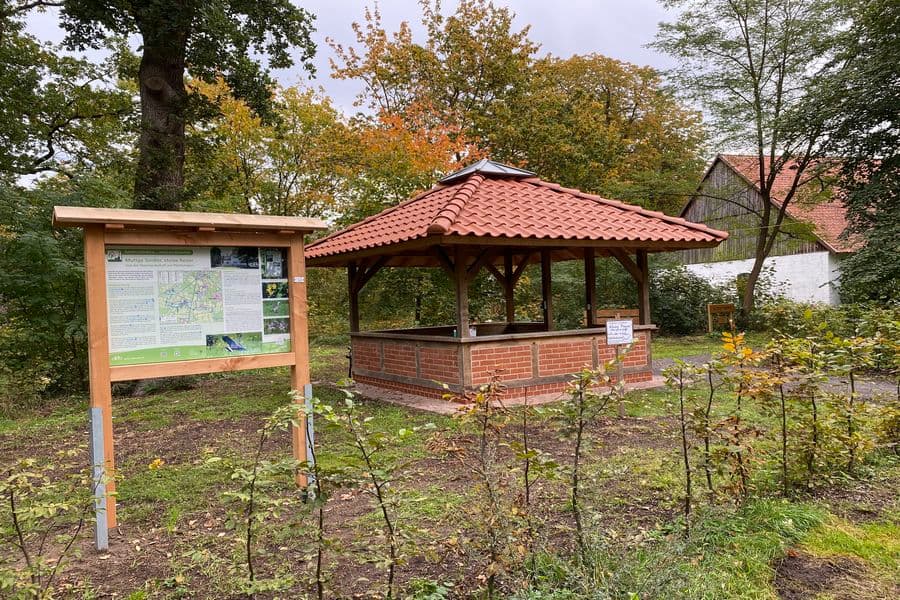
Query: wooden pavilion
[500,218]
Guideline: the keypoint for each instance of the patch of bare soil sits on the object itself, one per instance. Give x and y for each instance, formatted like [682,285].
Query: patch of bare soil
[441,548]
[863,501]
[800,576]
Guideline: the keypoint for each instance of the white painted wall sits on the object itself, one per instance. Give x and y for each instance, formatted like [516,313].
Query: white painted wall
[810,277]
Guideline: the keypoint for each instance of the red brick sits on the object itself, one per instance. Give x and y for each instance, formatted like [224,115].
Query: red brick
[510,362]
[366,355]
[439,364]
[559,358]
[400,359]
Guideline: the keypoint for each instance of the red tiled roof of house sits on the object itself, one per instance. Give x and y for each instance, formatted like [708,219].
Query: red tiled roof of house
[486,204]
[829,217]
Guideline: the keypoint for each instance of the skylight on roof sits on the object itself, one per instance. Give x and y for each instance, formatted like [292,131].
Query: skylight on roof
[487,167]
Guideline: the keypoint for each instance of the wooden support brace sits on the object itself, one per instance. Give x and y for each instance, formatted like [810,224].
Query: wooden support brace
[500,277]
[444,261]
[483,259]
[626,262]
[364,275]
[517,274]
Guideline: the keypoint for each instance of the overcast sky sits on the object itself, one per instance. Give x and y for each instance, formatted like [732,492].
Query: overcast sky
[616,28]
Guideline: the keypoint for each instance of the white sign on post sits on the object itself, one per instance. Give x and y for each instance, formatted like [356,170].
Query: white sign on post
[619,331]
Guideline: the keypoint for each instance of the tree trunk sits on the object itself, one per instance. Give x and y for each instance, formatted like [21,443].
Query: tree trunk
[159,181]
[748,300]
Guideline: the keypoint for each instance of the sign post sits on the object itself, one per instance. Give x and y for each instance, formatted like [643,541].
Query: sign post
[620,332]
[179,293]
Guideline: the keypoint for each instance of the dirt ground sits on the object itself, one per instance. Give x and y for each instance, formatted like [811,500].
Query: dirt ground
[188,555]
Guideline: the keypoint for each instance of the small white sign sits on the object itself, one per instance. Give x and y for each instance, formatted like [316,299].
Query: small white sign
[619,331]
[299,279]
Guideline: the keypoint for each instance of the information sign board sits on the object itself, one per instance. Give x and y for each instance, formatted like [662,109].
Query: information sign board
[181,293]
[619,331]
[190,302]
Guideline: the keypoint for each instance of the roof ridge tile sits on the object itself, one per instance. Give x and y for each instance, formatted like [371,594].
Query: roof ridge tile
[377,215]
[445,217]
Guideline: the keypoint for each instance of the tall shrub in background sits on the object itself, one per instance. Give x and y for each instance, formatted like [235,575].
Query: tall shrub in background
[42,328]
[678,300]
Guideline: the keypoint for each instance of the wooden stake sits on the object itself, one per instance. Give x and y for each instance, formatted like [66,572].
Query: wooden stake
[620,378]
[98,353]
[299,344]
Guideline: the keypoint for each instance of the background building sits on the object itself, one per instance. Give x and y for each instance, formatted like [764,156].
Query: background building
[805,261]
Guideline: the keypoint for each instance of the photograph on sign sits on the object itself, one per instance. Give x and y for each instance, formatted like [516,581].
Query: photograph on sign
[619,331]
[187,303]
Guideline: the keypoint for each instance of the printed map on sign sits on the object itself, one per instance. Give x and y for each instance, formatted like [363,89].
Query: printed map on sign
[189,303]
[190,297]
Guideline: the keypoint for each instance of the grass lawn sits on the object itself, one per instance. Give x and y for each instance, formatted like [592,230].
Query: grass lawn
[176,537]
[692,345]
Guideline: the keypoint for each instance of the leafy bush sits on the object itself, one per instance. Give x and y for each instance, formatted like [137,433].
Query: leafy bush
[881,324]
[47,504]
[678,300]
[42,336]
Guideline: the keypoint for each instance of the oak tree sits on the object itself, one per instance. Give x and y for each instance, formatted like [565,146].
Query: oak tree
[239,39]
[58,113]
[606,126]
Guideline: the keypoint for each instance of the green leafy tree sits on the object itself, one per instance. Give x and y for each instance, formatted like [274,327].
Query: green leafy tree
[470,64]
[753,66]
[602,125]
[42,332]
[286,167]
[58,112]
[858,93]
[227,37]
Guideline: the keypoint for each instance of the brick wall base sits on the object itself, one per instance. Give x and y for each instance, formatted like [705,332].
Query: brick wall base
[539,366]
[397,386]
[512,391]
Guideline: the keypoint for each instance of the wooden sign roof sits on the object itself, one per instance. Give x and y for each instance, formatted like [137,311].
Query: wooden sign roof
[79,216]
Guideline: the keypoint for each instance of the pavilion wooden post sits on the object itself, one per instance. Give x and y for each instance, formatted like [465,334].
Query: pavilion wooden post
[98,354]
[300,381]
[509,287]
[590,287]
[546,290]
[461,277]
[354,297]
[643,287]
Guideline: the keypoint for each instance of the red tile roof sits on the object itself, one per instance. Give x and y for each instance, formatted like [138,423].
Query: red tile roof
[488,205]
[829,217]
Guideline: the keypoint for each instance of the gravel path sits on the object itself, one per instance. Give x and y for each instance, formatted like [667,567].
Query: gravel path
[867,386]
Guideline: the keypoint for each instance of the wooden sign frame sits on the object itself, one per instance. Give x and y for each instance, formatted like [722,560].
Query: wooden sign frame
[719,316]
[124,227]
